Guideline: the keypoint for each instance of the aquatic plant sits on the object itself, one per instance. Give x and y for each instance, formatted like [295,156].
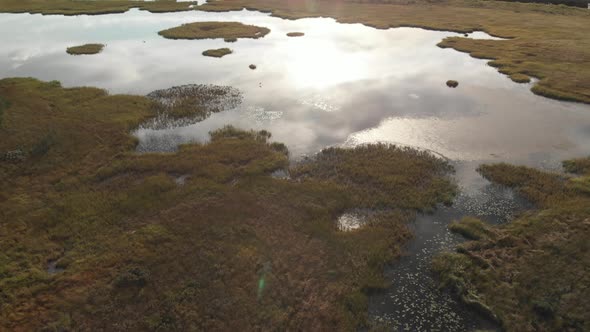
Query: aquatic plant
[85,49]
[217,53]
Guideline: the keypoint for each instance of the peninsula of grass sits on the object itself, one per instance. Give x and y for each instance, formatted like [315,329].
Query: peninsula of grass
[295,34]
[217,53]
[95,236]
[212,30]
[85,49]
[530,274]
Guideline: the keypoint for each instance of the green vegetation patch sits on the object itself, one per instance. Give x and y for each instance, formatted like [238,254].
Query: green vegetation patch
[531,274]
[218,53]
[135,248]
[85,49]
[206,30]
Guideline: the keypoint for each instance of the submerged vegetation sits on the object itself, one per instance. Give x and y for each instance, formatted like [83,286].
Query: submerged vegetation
[530,274]
[85,49]
[96,237]
[191,103]
[206,30]
[218,53]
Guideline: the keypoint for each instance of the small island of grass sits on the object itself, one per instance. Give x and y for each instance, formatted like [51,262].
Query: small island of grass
[85,49]
[295,34]
[452,83]
[218,53]
[229,31]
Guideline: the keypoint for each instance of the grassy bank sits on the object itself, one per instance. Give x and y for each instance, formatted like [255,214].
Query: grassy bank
[85,49]
[531,274]
[201,239]
[206,30]
[75,7]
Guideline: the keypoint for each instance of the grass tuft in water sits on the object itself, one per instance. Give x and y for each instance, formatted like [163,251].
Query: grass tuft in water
[85,49]
[218,53]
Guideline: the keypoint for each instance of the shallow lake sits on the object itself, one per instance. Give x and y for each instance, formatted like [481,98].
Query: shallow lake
[340,84]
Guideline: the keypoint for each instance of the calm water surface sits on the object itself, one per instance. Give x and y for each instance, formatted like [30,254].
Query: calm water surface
[340,84]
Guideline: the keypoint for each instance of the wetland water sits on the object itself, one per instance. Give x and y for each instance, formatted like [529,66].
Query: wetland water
[340,84]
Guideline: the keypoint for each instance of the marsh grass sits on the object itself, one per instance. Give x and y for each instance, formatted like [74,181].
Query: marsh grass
[530,274]
[85,49]
[206,30]
[217,53]
[471,228]
[398,177]
[140,251]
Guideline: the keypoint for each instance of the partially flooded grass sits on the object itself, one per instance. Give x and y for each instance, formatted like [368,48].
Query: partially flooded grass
[85,49]
[231,243]
[218,53]
[206,30]
[191,103]
[531,273]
